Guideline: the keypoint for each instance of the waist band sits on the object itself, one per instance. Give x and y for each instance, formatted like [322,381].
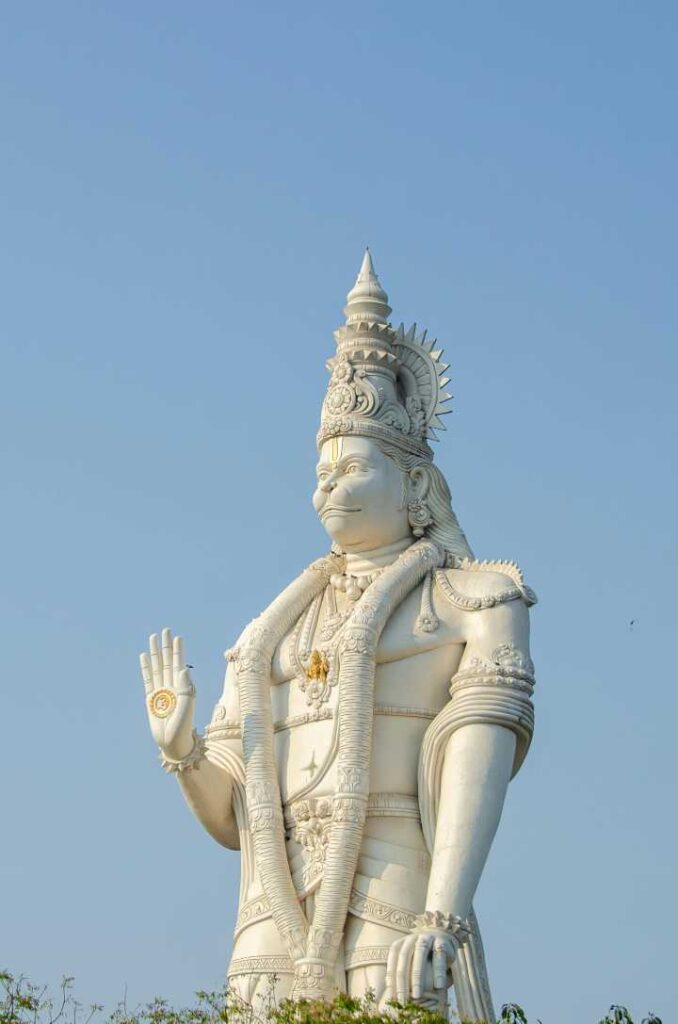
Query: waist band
[379,805]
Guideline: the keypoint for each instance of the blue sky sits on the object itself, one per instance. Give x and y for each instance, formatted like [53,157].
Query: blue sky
[186,192]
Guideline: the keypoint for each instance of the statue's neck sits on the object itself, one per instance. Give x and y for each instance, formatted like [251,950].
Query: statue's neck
[361,563]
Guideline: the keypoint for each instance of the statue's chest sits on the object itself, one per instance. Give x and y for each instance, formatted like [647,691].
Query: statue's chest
[412,677]
[308,654]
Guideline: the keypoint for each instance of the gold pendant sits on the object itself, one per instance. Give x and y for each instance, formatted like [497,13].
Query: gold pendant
[318,666]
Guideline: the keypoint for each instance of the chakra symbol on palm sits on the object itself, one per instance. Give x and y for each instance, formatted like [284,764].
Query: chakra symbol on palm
[162,703]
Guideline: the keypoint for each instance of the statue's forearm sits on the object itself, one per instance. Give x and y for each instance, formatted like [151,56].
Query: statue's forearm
[475,776]
[209,793]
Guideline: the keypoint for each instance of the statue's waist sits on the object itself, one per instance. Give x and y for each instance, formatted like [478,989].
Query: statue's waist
[319,809]
[308,824]
[389,886]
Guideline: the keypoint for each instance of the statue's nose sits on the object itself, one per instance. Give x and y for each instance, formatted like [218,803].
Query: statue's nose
[328,485]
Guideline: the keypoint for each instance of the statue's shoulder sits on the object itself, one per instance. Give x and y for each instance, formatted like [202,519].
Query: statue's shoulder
[474,585]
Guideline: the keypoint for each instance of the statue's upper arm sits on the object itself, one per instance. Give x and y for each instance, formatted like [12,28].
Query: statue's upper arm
[490,631]
[489,604]
[494,681]
[226,721]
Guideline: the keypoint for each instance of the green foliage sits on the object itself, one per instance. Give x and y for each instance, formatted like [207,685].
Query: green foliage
[620,1015]
[22,1002]
[511,1013]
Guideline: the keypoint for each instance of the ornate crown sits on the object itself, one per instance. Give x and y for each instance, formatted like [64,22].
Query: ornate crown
[386,384]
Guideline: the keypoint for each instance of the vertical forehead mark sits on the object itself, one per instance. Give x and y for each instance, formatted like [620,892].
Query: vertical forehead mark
[336,445]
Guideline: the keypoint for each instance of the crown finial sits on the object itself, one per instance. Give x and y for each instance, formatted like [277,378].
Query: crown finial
[367,300]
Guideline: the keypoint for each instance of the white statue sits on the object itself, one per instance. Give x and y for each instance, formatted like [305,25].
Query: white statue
[372,716]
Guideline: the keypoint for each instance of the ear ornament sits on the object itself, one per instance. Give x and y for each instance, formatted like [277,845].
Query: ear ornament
[419,515]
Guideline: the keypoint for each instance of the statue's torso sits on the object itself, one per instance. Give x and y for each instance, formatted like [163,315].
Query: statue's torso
[412,681]
[414,668]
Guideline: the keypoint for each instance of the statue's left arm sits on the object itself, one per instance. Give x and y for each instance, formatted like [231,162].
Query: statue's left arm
[475,746]
[491,723]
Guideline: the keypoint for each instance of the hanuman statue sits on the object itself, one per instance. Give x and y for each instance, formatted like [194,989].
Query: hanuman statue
[371,716]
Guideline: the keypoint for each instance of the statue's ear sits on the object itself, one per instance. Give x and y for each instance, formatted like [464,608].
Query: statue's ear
[418,483]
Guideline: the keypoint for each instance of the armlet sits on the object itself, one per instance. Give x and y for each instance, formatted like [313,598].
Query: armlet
[221,727]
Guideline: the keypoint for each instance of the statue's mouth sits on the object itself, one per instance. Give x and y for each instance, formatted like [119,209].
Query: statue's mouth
[328,510]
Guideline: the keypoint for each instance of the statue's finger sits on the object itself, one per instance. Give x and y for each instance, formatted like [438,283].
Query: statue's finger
[146,672]
[178,662]
[391,965]
[156,660]
[166,657]
[439,965]
[403,969]
[421,948]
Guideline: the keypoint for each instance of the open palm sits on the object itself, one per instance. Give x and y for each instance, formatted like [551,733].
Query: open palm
[170,694]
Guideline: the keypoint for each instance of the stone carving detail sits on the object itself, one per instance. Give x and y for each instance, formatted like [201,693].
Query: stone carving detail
[320,941]
[263,806]
[509,668]
[437,919]
[403,712]
[247,659]
[352,780]
[332,625]
[508,656]
[355,643]
[192,761]
[350,390]
[314,668]
[222,727]
[261,965]
[318,715]
[366,955]
[474,604]
[349,810]
[427,620]
[305,863]
[372,909]
[254,910]
[392,805]
[312,979]
[317,681]
[510,569]
[311,820]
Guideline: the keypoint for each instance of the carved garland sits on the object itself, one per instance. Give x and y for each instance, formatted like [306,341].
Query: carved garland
[314,949]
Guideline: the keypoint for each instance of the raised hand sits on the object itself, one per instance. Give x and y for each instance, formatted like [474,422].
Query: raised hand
[170,694]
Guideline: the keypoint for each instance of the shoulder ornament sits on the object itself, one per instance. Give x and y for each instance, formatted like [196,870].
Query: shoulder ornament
[512,587]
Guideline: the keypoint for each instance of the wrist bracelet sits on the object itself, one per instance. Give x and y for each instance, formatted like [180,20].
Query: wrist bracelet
[190,761]
[455,926]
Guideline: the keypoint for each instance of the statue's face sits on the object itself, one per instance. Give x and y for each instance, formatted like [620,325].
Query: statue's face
[361,496]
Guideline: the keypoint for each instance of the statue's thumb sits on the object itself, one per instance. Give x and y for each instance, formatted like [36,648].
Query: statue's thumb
[186,687]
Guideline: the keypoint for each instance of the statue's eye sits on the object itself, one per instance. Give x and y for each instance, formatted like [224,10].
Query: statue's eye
[353,467]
